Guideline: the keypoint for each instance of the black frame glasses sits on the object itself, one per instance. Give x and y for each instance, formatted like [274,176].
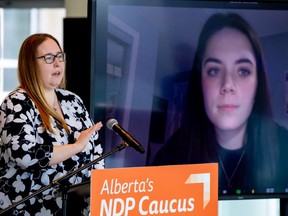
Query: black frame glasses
[50,58]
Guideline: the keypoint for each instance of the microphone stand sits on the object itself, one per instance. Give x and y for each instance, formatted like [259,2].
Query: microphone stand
[69,174]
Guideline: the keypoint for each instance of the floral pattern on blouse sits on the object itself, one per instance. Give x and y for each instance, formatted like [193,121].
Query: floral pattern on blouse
[26,150]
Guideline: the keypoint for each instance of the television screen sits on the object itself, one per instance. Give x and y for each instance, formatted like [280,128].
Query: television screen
[142,68]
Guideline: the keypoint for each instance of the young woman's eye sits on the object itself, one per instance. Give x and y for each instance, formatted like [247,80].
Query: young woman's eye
[213,71]
[244,72]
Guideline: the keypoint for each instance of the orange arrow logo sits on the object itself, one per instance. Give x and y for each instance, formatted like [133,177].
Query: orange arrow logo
[201,178]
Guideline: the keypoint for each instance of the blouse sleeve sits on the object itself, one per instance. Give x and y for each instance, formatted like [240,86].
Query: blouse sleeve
[19,121]
[82,115]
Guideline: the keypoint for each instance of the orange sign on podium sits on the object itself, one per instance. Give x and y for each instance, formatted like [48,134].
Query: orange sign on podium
[159,190]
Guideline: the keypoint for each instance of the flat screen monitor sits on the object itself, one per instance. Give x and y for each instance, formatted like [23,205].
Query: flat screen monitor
[142,54]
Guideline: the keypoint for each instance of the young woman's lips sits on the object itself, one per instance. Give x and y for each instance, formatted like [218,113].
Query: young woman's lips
[228,107]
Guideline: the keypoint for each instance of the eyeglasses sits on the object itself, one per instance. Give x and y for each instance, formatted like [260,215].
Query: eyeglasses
[50,58]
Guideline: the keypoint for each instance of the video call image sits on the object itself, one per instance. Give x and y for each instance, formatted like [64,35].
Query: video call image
[162,65]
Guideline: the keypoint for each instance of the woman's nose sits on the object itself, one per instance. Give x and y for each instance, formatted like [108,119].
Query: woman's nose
[228,84]
[56,62]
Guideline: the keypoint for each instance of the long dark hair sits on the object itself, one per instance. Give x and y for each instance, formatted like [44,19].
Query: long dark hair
[197,132]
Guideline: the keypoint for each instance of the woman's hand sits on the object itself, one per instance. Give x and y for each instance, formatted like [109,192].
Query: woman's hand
[85,135]
[62,153]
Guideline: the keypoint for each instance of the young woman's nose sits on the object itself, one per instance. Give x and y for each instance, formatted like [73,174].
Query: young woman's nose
[228,84]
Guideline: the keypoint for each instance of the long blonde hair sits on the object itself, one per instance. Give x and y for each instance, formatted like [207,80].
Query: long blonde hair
[29,79]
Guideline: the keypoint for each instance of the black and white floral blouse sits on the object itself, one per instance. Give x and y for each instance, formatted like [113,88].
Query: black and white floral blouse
[26,150]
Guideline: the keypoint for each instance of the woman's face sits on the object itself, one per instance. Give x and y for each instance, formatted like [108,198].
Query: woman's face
[50,74]
[229,79]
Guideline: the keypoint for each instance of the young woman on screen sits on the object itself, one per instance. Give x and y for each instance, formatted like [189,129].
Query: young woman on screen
[228,115]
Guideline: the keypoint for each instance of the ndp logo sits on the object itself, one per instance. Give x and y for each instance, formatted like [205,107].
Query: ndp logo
[205,180]
[165,190]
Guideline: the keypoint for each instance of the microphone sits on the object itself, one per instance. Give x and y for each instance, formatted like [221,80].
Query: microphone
[112,124]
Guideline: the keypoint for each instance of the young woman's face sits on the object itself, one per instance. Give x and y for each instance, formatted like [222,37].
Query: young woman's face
[50,74]
[229,79]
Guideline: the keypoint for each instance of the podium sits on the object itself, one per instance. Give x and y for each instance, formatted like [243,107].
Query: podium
[156,190]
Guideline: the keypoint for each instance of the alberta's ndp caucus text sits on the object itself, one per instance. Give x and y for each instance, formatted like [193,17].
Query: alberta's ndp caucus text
[146,206]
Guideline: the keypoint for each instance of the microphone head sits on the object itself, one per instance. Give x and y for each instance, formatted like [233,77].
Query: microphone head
[110,123]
